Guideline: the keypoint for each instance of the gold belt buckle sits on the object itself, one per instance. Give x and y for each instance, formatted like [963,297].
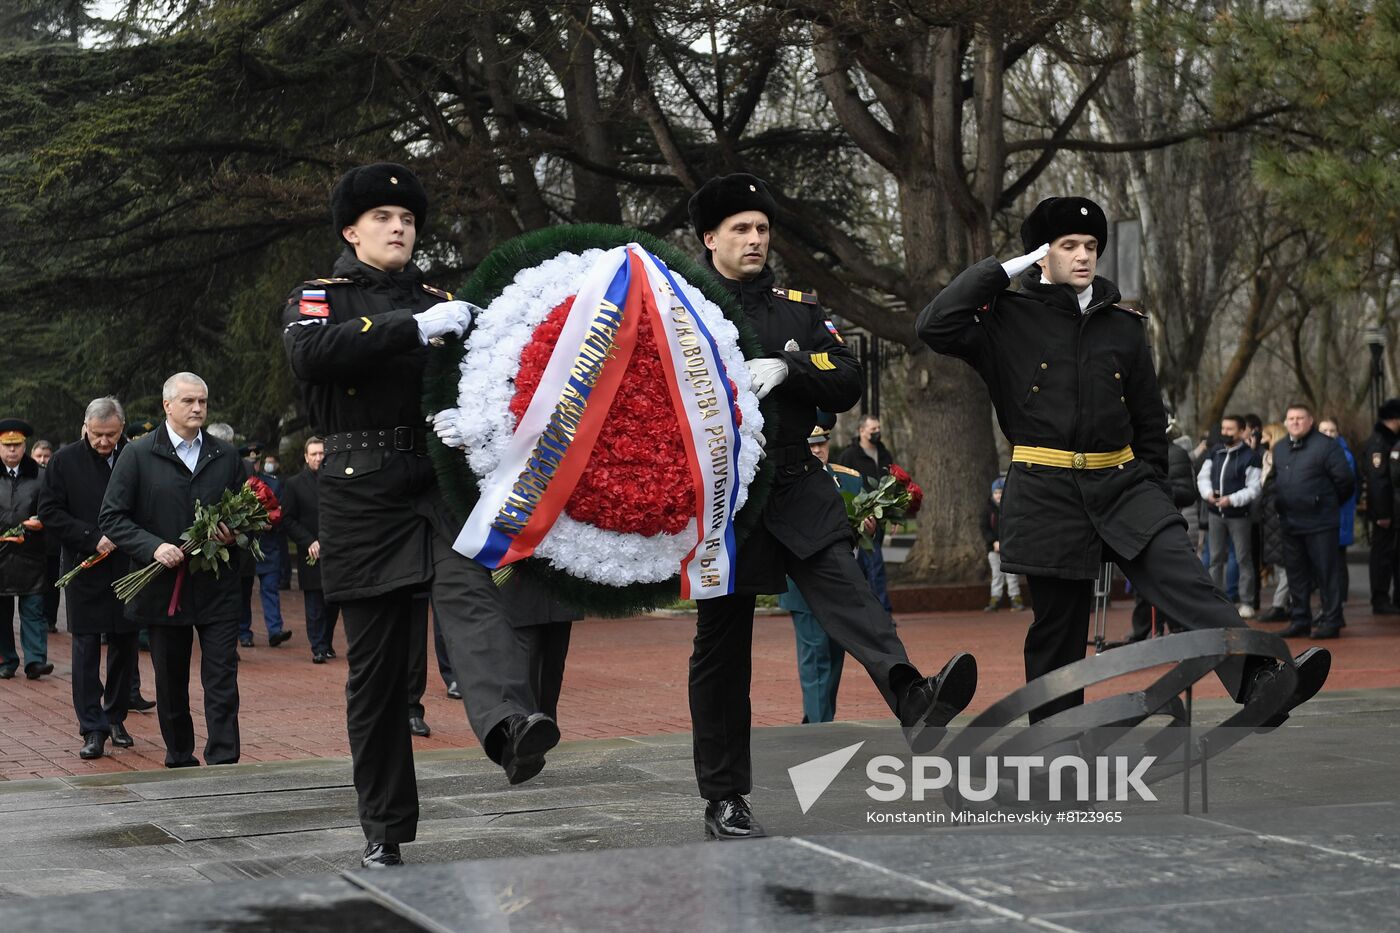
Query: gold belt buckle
[1078,461]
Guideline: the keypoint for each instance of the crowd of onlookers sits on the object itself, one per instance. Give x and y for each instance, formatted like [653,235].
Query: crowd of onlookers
[1272,508]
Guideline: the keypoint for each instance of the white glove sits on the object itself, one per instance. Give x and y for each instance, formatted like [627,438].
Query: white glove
[1020,264]
[767,375]
[448,317]
[447,425]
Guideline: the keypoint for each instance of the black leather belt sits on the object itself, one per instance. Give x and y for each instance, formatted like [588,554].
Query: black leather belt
[407,439]
[789,454]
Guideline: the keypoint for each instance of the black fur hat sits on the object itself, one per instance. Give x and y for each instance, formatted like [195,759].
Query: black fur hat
[1390,409]
[375,185]
[726,196]
[1057,217]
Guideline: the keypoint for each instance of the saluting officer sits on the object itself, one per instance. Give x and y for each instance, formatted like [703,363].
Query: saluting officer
[357,342]
[1071,377]
[804,533]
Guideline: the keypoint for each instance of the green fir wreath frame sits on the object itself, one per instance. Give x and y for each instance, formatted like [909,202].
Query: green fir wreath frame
[456,479]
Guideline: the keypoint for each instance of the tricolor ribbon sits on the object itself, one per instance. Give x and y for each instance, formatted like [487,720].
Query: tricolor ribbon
[546,456]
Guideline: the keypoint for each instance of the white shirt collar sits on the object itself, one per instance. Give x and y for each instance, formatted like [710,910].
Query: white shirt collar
[176,440]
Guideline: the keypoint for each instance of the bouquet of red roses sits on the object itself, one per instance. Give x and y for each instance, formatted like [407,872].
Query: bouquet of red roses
[245,513]
[894,498]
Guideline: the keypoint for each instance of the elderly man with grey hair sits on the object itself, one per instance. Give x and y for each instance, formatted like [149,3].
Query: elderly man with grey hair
[148,505]
[74,485]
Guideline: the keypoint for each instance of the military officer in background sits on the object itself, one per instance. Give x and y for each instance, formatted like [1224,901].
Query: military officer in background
[803,534]
[357,342]
[1071,377]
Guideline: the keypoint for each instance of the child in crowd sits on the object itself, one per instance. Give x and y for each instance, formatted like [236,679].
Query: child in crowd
[1008,582]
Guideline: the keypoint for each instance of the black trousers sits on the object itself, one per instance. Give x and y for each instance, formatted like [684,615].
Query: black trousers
[218,674]
[546,648]
[417,680]
[97,705]
[1169,576]
[379,634]
[1311,562]
[321,616]
[1385,565]
[444,660]
[722,661]
[52,571]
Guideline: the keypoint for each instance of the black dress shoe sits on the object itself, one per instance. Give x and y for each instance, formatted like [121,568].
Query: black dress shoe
[452,692]
[418,727]
[245,642]
[928,705]
[1313,667]
[381,855]
[6,673]
[139,703]
[120,737]
[1385,609]
[1275,614]
[34,670]
[1327,631]
[525,740]
[274,640]
[1301,629]
[731,818]
[94,745]
[318,657]
[330,652]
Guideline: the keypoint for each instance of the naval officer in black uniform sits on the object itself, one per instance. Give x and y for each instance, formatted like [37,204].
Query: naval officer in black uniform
[804,533]
[357,342]
[1071,377]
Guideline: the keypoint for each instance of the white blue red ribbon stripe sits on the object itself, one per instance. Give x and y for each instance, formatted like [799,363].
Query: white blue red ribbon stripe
[547,454]
[525,493]
[700,391]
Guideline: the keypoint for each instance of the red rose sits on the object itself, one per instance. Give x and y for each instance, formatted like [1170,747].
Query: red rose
[916,499]
[898,473]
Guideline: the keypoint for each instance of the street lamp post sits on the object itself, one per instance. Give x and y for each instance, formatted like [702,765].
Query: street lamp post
[1375,339]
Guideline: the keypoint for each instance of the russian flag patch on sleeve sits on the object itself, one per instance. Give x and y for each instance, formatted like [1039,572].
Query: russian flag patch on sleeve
[313,303]
[834,332]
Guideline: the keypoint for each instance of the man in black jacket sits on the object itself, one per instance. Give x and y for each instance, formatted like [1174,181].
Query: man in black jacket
[357,342]
[804,533]
[1378,457]
[148,504]
[21,562]
[1311,481]
[1075,392]
[868,456]
[301,521]
[74,485]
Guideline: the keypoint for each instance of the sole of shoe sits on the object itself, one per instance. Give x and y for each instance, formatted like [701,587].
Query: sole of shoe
[712,832]
[957,684]
[527,758]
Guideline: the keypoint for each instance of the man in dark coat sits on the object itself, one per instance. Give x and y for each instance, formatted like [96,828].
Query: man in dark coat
[357,343]
[1311,481]
[149,503]
[42,452]
[868,456]
[804,533]
[74,485]
[21,562]
[1071,377]
[1377,459]
[301,521]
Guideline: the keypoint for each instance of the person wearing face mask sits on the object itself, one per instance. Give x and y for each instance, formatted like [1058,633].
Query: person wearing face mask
[268,568]
[1070,375]
[868,456]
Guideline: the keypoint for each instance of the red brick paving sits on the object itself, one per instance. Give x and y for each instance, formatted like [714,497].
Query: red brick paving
[624,677]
